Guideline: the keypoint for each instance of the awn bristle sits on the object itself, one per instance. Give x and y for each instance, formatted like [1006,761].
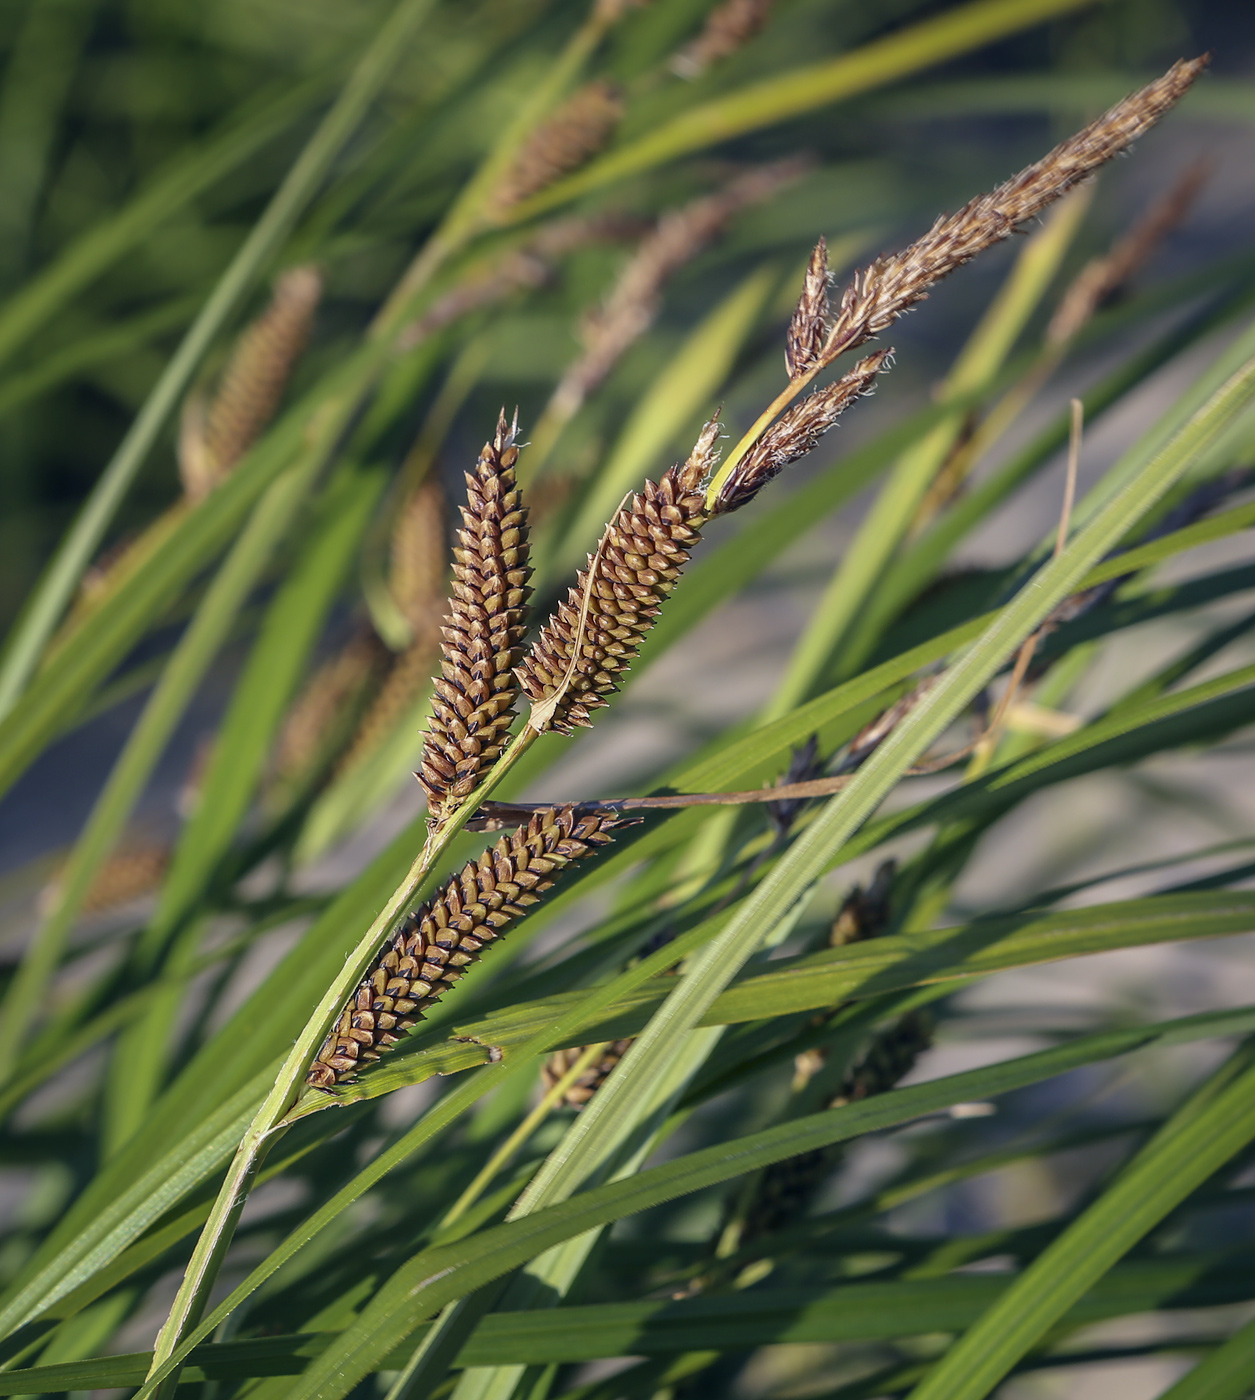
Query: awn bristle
[1104,277]
[214,439]
[472,706]
[435,945]
[596,633]
[564,142]
[634,301]
[728,27]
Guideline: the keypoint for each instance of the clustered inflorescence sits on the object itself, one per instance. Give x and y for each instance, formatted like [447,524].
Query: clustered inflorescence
[594,635]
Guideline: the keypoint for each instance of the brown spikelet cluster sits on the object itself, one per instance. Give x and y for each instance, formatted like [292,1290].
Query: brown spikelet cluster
[795,433]
[1104,277]
[808,326]
[864,913]
[596,633]
[586,1085]
[336,689]
[634,300]
[786,1190]
[406,679]
[130,873]
[435,945]
[213,440]
[527,265]
[417,578]
[573,134]
[418,571]
[728,27]
[472,708]
[889,286]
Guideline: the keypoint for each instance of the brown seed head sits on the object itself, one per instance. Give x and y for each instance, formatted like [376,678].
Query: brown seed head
[130,873]
[728,27]
[528,265]
[407,678]
[786,1189]
[795,432]
[808,330]
[574,133]
[597,632]
[634,300]
[215,438]
[865,912]
[325,708]
[1104,277]
[435,945]
[578,1094]
[891,285]
[472,707]
[418,566]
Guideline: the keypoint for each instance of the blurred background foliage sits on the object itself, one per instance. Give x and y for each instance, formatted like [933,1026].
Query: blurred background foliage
[178,120]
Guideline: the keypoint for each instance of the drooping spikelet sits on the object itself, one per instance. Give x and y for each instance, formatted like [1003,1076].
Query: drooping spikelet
[597,632]
[795,433]
[472,707]
[576,131]
[728,27]
[634,301]
[213,440]
[889,286]
[435,945]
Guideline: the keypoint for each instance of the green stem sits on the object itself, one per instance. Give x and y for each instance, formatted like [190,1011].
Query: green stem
[499,1159]
[215,1238]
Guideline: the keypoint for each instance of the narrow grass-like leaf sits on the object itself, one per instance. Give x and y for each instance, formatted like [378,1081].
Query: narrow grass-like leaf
[850,1312]
[257,706]
[1227,1374]
[1188,1149]
[802,90]
[265,239]
[441,1274]
[183,673]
